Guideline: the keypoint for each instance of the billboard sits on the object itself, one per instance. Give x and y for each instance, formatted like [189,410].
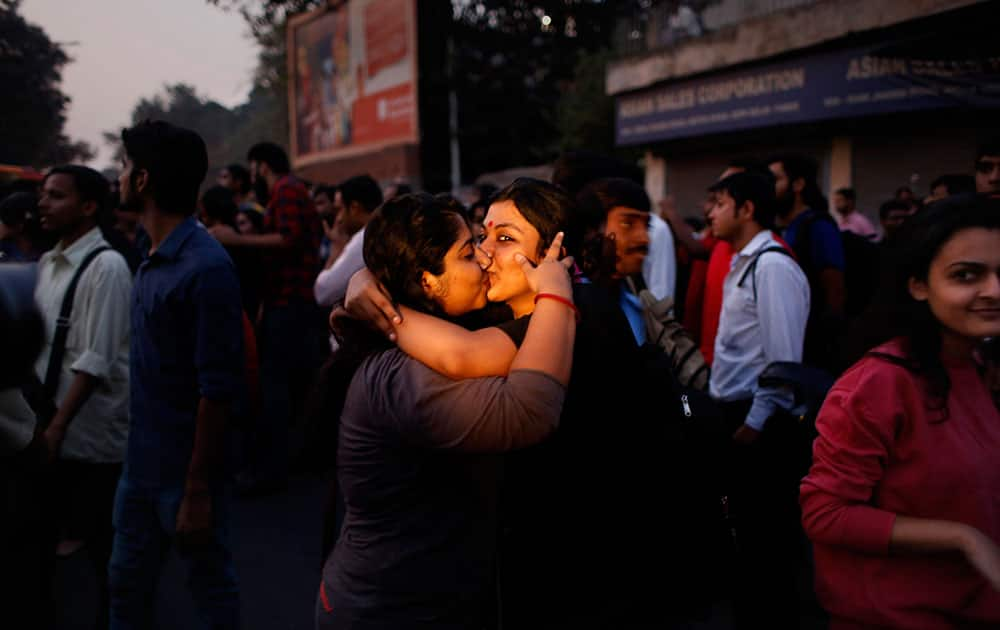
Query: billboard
[352,79]
[836,84]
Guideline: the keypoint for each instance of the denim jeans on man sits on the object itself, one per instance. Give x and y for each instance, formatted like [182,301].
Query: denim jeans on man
[144,521]
[186,346]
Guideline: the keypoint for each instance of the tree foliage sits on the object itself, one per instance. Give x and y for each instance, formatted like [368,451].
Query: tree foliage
[228,133]
[528,74]
[515,61]
[33,107]
[585,113]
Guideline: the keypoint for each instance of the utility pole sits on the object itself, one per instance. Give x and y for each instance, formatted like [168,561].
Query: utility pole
[456,168]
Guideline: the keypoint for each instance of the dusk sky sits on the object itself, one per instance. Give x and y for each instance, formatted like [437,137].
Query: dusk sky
[124,50]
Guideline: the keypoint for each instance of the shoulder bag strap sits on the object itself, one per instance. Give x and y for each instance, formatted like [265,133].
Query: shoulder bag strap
[751,269]
[51,385]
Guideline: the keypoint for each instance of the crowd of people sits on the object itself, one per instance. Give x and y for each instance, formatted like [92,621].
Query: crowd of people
[506,422]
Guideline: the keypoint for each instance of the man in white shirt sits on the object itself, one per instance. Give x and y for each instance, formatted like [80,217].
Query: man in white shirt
[765,301]
[87,434]
[765,306]
[355,201]
[660,267]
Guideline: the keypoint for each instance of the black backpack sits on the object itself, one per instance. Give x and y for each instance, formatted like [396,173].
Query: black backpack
[825,333]
[860,262]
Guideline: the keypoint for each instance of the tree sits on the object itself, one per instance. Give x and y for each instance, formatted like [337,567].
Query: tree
[181,105]
[515,68]
[267,21]
[228,133]
[33,108]
[585,113]
[515,62]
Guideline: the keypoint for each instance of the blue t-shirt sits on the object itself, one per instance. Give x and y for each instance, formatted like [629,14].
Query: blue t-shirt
[186,344]
[632,307]
[825,247]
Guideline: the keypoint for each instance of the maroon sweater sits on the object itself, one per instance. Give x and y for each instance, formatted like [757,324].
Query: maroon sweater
[882,452]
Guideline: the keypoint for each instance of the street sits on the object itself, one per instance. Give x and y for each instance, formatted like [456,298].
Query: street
[277,541]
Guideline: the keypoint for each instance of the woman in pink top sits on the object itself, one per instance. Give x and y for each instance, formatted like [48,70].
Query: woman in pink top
[903,499]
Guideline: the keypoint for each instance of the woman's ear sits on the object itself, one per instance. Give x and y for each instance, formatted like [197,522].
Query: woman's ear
[918,289]
[430,284]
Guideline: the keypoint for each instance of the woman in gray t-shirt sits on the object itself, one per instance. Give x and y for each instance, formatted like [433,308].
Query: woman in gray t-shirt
[416,453]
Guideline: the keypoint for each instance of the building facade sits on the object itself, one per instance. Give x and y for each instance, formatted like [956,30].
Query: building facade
[882,94]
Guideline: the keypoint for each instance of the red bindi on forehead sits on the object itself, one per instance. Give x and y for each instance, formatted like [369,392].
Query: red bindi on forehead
[489,224]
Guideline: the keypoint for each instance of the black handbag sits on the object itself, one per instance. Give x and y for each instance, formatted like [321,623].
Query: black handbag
[809,386]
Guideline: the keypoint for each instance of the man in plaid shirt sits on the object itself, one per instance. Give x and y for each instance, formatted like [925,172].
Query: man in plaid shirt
[290,326]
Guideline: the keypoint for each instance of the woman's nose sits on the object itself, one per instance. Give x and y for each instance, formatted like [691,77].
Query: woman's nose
[484,258]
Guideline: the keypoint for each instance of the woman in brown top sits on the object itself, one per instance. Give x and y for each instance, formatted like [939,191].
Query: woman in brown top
[416,457]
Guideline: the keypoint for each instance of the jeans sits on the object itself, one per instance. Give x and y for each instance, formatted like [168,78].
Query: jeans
[145,524]
[290,342]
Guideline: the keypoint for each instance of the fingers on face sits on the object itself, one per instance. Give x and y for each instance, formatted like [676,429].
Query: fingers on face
[555,248]
[524,262]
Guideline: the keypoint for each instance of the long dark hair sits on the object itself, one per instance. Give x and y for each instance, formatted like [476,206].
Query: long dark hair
[895,313]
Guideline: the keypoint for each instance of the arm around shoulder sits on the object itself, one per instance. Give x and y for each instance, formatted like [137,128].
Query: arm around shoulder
[452,350]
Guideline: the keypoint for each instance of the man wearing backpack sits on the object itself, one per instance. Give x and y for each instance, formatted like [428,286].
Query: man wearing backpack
[815,238]
[765,306]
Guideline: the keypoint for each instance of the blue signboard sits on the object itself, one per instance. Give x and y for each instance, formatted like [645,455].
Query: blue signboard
[844,83]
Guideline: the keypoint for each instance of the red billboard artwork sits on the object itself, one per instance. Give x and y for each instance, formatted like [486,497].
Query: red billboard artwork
[385,34]
[353,87]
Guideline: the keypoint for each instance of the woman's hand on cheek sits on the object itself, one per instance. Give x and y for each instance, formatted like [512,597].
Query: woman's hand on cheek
[551,275]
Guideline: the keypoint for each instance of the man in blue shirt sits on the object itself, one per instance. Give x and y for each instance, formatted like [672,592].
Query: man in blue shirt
[814,237]
[186,368]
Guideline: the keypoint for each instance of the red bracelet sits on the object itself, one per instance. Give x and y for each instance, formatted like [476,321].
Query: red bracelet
[561,300]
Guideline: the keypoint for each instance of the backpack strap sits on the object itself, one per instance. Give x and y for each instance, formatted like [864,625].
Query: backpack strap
[51,384]
[751,269]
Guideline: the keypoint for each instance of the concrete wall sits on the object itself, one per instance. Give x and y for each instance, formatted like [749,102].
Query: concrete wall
[885,161]
[768,36]
[688,176]
[874,159]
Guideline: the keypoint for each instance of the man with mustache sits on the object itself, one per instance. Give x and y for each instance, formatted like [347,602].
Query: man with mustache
[620,210]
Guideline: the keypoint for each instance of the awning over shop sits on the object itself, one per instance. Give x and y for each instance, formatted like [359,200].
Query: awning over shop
[910,75]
